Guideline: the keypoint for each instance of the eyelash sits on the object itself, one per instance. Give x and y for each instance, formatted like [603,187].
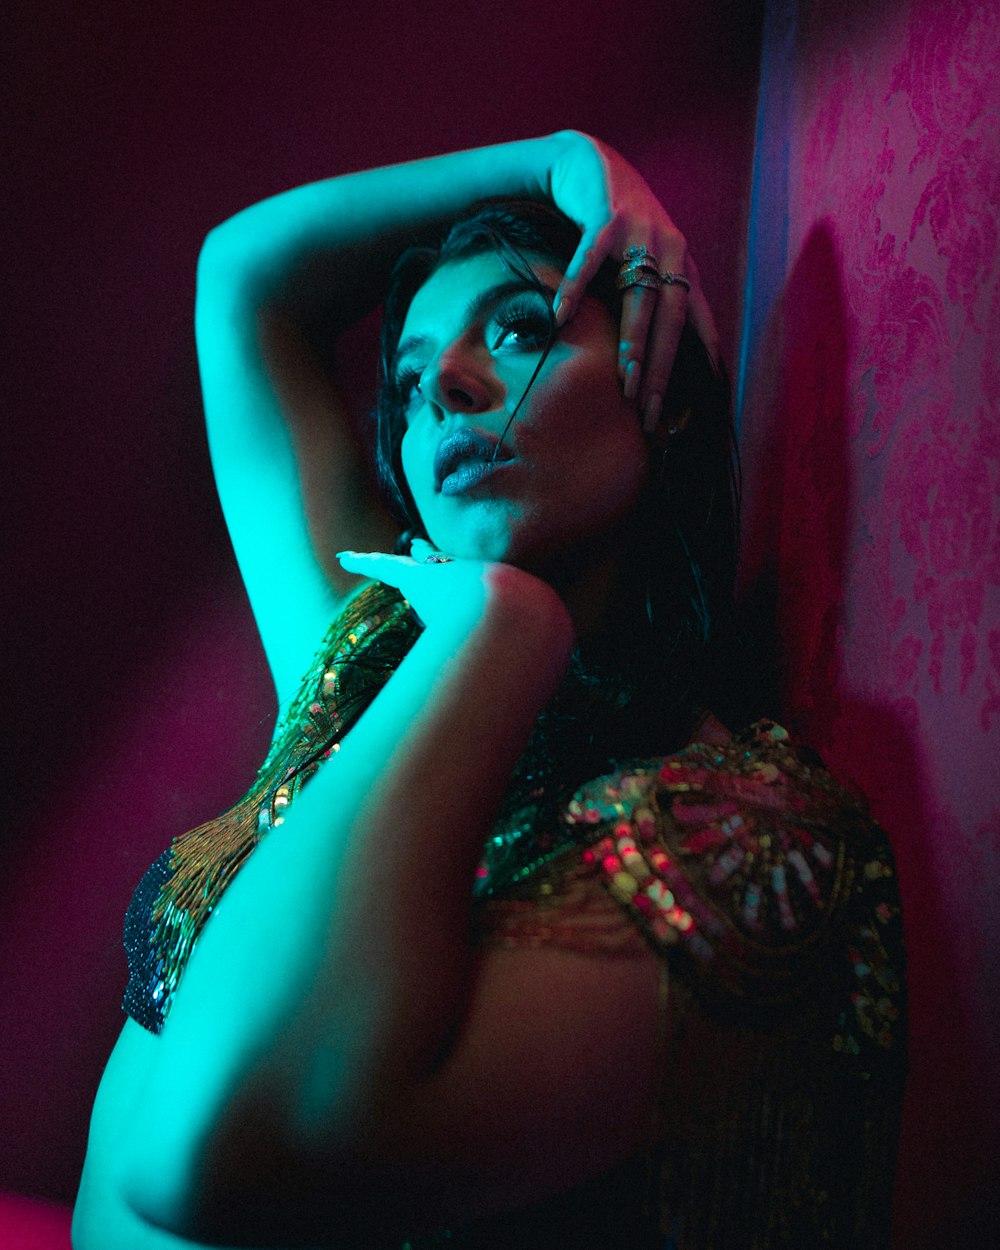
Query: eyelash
[405,383]
[524,314]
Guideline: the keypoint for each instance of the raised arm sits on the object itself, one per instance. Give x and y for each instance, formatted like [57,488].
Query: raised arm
[279,281]
[276,284]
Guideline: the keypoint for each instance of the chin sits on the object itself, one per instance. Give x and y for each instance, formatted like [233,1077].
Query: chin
[528,537]
[487,534]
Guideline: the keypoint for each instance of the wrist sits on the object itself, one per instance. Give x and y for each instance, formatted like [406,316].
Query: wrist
[522,168]
[558,148]
[529,610]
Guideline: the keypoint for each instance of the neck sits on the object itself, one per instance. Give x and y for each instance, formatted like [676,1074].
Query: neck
[589,580]
[605,594]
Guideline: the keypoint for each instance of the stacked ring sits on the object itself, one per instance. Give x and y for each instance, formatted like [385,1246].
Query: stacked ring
[638,277]
[639,254]
[640,268]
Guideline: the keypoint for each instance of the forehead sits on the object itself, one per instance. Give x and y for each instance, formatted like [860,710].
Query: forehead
[454,292]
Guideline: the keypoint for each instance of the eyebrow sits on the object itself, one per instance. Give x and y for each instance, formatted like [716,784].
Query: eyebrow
[478,307]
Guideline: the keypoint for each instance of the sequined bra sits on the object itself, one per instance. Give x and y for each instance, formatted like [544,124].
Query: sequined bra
[764,886]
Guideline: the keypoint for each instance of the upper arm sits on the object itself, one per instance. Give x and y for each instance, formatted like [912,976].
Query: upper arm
[551,1080]
[291,478]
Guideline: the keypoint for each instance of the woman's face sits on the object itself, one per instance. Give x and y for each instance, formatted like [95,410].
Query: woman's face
[573,462]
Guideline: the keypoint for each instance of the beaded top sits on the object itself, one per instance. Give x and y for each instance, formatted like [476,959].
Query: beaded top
[762,884]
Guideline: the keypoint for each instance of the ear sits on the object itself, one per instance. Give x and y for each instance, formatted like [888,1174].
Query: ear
[668,430]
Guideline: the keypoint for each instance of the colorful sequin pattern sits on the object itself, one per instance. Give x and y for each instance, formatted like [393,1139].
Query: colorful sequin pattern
[758,868]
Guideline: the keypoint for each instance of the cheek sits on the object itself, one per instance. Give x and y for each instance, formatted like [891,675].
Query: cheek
[417,475]
[620,476]
[611,455]
[585,419]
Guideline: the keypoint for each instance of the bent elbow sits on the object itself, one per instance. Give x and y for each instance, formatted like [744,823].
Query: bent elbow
[223,267]
[262,1202]
[251,1181]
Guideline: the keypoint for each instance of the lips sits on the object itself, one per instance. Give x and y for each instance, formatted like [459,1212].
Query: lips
[463,458]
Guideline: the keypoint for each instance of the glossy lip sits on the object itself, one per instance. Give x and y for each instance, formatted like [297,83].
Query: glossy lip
[470,474]
[451,474]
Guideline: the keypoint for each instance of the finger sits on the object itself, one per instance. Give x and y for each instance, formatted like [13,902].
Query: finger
[420,549]
[661,350]
[374,563]
[368,555]
[638,306]
[700,315]
[590,254]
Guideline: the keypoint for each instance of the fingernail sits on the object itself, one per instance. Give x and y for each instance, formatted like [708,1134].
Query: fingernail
[564,310]
[651,412]
[632,379]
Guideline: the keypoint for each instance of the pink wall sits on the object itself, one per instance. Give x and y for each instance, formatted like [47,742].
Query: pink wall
[141,704]
[871,449]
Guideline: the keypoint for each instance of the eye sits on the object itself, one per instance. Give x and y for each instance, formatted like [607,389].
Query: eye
[523,323]
[407,387]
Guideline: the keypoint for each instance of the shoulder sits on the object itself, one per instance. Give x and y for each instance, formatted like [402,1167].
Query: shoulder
[750,862]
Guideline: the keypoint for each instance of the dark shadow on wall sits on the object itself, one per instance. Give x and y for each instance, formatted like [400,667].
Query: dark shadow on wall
[801,492]
[798,492]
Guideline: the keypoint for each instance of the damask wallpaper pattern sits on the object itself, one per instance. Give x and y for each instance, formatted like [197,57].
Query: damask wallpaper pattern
[872,456]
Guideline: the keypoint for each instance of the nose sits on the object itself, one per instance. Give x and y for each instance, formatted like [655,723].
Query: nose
[456,381]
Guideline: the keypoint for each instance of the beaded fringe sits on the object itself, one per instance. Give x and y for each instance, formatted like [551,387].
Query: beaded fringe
[358,655]
[768,1146]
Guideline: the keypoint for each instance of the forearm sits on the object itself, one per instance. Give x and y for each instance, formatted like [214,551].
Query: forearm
[336,967]
[358,222]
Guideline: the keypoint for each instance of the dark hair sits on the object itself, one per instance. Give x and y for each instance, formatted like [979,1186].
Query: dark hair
[682,561]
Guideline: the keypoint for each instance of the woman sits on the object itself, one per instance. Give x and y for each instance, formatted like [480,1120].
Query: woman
[663,1002]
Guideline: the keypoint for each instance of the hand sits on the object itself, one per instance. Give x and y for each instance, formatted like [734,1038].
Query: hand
[457,594]
[615,209]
